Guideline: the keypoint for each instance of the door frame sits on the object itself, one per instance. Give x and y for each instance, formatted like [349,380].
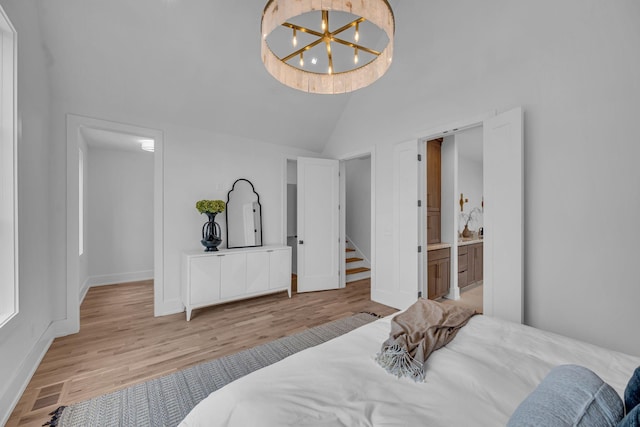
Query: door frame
[366,152]
[438,132]
[371,153]
[73,124]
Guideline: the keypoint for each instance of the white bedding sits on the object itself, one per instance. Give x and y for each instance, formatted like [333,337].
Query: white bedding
[477,379]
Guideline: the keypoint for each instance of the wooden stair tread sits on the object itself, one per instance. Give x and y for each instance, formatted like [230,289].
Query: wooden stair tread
[350,250]
[354,259]
[357,270]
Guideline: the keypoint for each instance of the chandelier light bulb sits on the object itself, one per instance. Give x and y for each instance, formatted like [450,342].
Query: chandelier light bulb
[356,37]
[330,69]
[295,38]
[301,59]
[355,56]
[324,25]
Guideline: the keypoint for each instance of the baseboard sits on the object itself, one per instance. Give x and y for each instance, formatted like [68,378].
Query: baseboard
[112,279]
[83,290]
[23,374]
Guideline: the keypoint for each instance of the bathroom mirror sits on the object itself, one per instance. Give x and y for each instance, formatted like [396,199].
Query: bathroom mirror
[244,216]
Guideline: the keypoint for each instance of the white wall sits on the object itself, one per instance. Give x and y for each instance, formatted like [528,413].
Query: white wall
[358,203]
[120,216]
[577,82]
[469,143]
[25,338]
[204,165]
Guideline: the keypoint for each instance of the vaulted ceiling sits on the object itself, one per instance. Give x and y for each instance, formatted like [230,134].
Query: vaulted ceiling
[193,63]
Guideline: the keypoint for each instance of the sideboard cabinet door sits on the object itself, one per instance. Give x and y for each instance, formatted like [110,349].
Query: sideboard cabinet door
[233,275]
[279,269]
[204,280]
[257,266]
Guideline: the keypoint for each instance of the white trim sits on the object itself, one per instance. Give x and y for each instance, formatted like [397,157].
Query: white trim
[457,126]
[118,278]
[71,323]
[114,279]
[342,227]
[83,290]
[23,374]
[9,137]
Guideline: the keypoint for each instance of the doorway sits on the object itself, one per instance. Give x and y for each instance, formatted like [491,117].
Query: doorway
[114,219]
[502,260]
[356,199]
[77,267]
[454,255]
[356,175]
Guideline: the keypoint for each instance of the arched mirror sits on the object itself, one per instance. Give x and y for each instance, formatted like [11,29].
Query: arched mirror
[244,216]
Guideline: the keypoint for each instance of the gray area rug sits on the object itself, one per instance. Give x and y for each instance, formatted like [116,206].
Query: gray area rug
[167,400]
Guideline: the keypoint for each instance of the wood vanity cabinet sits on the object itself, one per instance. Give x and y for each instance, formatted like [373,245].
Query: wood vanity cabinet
[438,267]
[434,192]
[463,266]
[470,264]
[433,227]
[478,259]
[434,174]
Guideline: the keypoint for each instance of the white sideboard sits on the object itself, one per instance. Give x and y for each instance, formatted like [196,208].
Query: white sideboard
[210,278]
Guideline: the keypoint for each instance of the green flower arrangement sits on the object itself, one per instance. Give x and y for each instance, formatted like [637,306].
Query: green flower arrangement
[210,206]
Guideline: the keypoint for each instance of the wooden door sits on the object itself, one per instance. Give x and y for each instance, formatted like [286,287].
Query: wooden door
[434,174]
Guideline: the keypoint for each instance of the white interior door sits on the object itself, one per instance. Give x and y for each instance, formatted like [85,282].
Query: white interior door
[504,216]
[405,224]
[318,224]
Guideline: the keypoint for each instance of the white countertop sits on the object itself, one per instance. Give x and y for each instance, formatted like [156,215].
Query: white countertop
[461,242]
[434,246]
[465,242]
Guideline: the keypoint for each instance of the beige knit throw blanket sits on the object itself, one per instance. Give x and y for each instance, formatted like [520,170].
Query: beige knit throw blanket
[417,332]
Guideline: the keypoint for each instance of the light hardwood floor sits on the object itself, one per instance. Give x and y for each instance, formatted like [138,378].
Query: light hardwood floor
[470,297]
[120,343]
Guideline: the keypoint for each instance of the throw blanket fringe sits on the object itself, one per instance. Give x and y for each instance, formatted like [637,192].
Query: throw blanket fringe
[397,361]
[55,417]
[415,333]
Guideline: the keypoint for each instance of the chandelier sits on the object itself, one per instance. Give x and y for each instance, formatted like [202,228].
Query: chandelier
[323,57]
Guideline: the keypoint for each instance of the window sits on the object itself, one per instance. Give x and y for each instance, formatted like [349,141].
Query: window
[8,173]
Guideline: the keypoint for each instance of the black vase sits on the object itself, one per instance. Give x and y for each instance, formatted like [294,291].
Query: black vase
[211,234]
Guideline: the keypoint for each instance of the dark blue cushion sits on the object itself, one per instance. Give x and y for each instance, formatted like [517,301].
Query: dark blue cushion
[632,419]
[632,392]
[570,396]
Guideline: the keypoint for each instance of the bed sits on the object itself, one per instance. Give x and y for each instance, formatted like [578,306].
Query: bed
[478,379]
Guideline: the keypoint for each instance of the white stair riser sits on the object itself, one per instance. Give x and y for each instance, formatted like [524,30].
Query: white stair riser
[358,276]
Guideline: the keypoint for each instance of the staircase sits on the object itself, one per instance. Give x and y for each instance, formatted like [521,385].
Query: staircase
[358,267]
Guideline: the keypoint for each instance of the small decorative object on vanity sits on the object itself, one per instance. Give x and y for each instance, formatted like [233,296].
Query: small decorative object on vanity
[211,233]
[467,218]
